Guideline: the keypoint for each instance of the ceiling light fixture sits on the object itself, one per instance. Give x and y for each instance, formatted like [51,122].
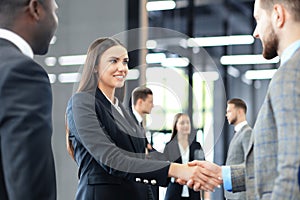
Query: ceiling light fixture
[175,62]
[50,61]
[69,77]
[220,41]
[160,5]
[152,58]
[72,60]
[247,60]
[260,74]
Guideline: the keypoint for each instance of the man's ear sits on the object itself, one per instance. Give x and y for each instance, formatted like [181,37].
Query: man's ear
[35,9]
[139,101]
[240,111]
[278,15]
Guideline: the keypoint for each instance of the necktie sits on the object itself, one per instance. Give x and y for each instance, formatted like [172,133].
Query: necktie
[141,124]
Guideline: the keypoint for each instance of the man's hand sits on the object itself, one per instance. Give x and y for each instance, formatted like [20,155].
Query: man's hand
[208,177]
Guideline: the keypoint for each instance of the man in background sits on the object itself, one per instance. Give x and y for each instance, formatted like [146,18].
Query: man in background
[236,116]
[142,104]
[142,98]
[26,159]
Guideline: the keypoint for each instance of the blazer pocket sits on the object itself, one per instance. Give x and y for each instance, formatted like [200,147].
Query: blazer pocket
[98,180]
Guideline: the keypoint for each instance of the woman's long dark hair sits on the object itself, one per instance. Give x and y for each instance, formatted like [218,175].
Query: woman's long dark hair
[89,77]
[175,131]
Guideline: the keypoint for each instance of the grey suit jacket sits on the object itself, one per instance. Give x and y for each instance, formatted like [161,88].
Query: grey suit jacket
[26,160]
[236,155]
[275,150]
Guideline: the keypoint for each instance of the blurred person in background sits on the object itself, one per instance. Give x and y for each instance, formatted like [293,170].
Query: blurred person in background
[239,144]
[182,148]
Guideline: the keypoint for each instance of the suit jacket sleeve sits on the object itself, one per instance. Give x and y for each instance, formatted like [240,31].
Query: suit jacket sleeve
[238,178]
[26,129]
[113,159]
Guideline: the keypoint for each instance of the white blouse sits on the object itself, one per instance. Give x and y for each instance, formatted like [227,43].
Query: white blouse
[185,155]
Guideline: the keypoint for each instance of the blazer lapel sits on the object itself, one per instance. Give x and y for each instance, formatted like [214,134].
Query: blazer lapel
[124,123]
[250,147]
[174,152]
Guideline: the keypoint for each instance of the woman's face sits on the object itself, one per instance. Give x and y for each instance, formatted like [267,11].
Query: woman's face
[113,68]
[183,125]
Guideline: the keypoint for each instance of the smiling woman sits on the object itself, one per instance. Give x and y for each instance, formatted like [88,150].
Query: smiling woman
[104,140]
[115,69]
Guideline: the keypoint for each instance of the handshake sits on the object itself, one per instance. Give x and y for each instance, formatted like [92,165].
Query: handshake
[198,175]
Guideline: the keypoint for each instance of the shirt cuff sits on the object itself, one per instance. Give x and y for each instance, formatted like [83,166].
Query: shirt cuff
[226,175]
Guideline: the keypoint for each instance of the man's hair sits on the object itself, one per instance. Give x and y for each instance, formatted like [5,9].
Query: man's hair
[9,10]
[140,93]
[239,103]
[293,6]
[7,6]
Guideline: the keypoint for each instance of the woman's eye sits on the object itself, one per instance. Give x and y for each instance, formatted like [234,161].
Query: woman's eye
[113,61]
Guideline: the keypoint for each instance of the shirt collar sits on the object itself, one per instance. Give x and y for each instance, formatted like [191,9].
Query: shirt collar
[18,41]
[116,100]
[289,51]
[137,115]
[239,126]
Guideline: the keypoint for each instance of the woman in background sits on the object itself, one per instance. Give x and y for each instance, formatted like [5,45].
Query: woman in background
[105,142]
[182,148]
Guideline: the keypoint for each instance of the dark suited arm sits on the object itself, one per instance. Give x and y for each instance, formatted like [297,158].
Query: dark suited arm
[238,178]
[26,129]
[114,160]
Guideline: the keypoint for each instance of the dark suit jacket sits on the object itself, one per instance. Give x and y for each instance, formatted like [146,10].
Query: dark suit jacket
[272,160]
[109,151]
[172,153]
[153,154]
[129,110]
[26,161]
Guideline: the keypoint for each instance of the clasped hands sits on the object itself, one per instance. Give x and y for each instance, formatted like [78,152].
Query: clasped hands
[204,175]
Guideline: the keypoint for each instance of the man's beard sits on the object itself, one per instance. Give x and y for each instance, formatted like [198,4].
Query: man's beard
[233,121]
[270,45]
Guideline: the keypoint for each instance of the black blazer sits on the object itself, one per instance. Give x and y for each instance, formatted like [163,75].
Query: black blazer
[172,153]
[26,160]
[109,151]
[152,154]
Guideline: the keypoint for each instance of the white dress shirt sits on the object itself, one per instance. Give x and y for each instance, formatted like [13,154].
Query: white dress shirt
[18,41]
[116,104]
[239,126]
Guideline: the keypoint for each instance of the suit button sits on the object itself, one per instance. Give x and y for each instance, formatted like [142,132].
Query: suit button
[138,180]
[146,181]
[153,182]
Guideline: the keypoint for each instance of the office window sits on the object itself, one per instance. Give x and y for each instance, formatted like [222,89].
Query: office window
[170,88]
